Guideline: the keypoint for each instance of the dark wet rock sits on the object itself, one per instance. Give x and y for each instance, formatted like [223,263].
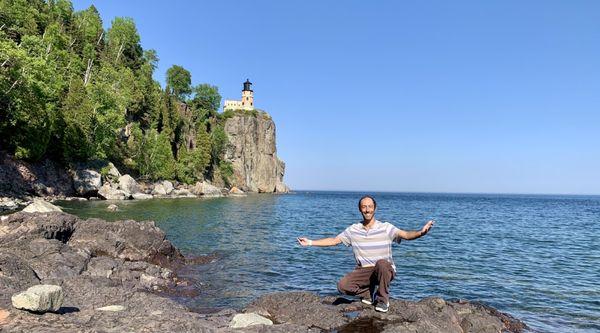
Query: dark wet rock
[430,315]
[299,308]
[127,240]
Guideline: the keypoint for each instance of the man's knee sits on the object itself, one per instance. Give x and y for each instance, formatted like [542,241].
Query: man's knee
[383,264]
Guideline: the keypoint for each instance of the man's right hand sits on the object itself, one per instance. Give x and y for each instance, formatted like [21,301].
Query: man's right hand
[304,241]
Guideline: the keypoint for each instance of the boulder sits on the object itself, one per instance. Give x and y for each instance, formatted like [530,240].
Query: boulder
[112,172]
[182,192]
[7,204]
[207,190]
[107,192]
[128,184]
[112,208]
[41,206]
[235,190]
[141,196]
[168,186]
[40,298]
[241,320]
[86,182]
[159,190]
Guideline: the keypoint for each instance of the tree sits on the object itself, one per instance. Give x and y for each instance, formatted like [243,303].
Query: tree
[206,101]
[124,43]
[29,89]
[179,80]
[77,112]
[152,154]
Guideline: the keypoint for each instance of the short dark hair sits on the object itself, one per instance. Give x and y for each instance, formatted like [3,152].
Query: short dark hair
[365,197]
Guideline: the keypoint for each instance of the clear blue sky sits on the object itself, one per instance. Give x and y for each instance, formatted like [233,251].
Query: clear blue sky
[441,96]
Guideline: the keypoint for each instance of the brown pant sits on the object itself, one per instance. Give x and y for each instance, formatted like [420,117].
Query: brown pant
[362,281]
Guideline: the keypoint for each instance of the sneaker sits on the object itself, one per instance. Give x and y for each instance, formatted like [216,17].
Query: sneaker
[370,300]
[382,307]
[366,301]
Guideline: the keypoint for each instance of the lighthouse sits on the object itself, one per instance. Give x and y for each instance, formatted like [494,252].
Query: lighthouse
[247,96]
[247,102]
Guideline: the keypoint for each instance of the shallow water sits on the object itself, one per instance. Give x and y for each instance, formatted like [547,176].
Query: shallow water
[535,257]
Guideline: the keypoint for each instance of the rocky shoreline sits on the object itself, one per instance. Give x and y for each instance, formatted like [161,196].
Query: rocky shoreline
[115,276]
[21,183]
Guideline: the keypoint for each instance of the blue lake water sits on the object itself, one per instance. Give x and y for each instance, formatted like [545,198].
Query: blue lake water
[535,257]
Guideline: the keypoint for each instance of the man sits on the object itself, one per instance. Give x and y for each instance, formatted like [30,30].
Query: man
[371,242]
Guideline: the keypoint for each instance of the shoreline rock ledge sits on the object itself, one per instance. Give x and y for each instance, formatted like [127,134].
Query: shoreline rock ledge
[114,277]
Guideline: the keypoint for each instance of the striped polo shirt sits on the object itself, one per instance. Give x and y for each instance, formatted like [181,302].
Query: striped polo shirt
[372,244]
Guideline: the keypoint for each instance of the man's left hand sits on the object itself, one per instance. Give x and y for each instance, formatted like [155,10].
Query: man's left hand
[427,227]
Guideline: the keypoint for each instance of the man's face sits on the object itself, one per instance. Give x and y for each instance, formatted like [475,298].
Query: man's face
[367,208]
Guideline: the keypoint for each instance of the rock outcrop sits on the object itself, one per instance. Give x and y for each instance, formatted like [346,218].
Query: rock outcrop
[107,272]
[430,315]
[19,179]
[252,152]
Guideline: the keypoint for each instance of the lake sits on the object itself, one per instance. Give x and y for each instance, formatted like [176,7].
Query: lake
[536,257]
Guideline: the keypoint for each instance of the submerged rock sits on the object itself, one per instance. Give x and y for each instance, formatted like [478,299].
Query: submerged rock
[112,208]
[40,298]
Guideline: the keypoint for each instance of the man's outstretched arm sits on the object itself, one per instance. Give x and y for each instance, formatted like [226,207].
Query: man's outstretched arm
[414,234]
[319,242]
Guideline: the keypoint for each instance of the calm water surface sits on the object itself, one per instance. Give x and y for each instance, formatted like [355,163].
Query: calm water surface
[536,257]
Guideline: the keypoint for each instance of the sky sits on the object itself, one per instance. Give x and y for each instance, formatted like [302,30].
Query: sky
[407,96]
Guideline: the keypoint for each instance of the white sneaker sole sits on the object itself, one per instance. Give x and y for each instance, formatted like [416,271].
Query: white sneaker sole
[378,309]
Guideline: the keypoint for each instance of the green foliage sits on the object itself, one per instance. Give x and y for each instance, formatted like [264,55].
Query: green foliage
[28,99]
[192,163]
[226,171]
[72,91]
[206,101]
[152,154]
[218,143]
[77,111]
[123,43]
[179,80]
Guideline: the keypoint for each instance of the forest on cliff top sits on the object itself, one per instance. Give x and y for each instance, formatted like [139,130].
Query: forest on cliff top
[73,92]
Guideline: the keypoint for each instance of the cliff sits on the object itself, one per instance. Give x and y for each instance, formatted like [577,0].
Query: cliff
[253,153]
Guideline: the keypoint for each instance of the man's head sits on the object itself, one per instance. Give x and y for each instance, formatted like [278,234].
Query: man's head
[367,206]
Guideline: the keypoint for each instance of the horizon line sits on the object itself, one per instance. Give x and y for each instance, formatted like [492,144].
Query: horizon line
[433,192]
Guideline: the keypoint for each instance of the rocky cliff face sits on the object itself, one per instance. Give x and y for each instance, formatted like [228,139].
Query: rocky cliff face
[253,153]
